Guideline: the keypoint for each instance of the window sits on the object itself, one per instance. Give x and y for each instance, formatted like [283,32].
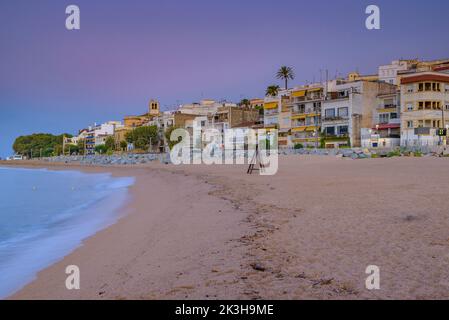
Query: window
[429,86]
[330,113]
[343,130]
[389,103]
[384,118]
[299,123]
[409,106]
[410,88]
[330,131]
[446,88]
[421,87]
[435,86]
[343,112]
[409,124]
[447,106]
[393,115]
[436,105]
[343,94]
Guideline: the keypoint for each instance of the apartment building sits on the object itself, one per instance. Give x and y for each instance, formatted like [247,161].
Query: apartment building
[347,108]
[271,111]
[389,73]
[96,135]
[205,107]
[424,108]
[277,115]
[306,115]
[285,119]
[386,127]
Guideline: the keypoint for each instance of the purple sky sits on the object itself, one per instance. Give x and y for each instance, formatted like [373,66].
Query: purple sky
[55,80]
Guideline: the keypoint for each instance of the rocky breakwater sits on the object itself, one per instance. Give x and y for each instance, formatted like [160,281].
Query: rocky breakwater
[343,153]
[103,160]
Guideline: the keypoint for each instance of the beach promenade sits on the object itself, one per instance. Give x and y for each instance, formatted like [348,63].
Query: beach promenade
[309,232]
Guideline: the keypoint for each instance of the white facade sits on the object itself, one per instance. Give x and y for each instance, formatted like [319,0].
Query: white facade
[204,107]
[107,128]
[389,73]
[338,111]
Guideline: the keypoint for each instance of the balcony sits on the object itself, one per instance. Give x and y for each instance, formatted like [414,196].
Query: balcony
[387,108]
[337,95]
[312,97]
[336,137]
[273,112]
[335,118]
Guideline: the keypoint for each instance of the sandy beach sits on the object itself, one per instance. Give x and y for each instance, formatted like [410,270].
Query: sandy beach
[309,232]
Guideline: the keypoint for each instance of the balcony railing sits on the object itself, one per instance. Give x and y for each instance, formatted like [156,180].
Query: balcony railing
[335,137]
[335,118]
[387,106]
[304,112]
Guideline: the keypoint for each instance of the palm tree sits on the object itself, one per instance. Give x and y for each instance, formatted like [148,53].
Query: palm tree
[272,91]
[285,73]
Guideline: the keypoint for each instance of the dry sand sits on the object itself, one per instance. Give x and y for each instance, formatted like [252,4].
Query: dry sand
[196,232]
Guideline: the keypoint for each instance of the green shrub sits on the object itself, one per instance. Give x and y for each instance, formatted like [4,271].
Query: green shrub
[299,146]
[395,153]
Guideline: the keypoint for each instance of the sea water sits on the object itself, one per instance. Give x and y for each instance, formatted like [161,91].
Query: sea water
[44,215]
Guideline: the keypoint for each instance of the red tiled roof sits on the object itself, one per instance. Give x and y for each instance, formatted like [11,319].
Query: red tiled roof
[425,77]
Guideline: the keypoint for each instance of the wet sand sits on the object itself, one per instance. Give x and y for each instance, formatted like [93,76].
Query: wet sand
[309,232]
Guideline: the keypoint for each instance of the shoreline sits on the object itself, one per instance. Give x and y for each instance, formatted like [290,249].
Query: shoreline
[308,232]
[136,210]
[93,214]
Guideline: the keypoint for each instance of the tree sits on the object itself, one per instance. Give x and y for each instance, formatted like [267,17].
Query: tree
[110,143]
[272,91]
[143,137]
[81,146]
[39,144]
[168,133]
[285,73]
[244,103]
[123,145]
[71,149]
[101,149]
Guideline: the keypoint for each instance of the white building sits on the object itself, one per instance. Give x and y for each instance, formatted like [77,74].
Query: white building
[389,73]
[204,107]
